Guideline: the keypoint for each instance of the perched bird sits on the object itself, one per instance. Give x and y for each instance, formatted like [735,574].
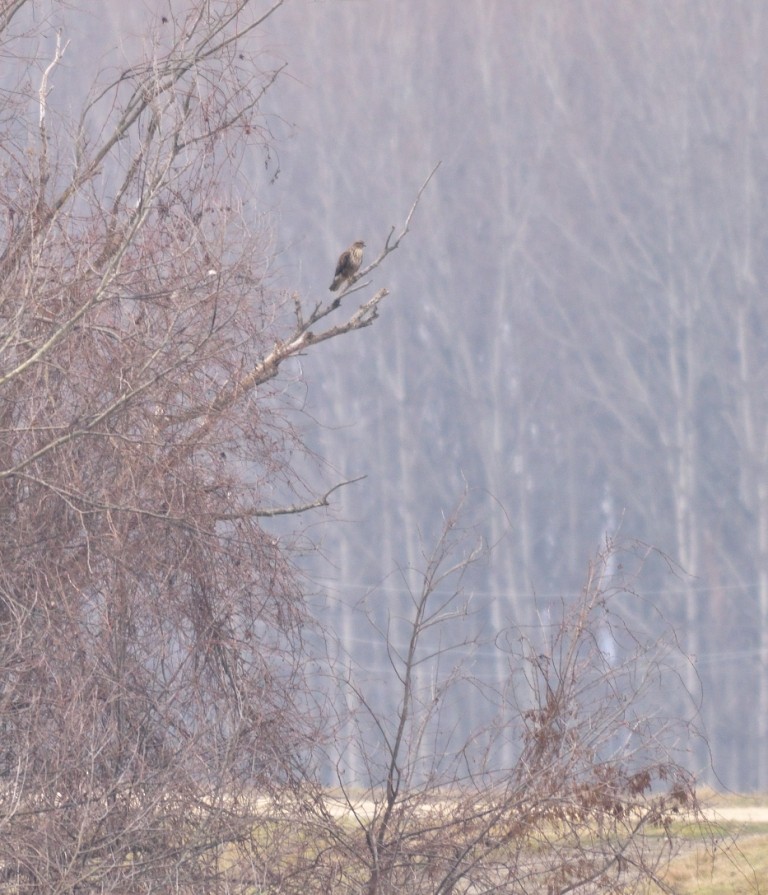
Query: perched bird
[349,264]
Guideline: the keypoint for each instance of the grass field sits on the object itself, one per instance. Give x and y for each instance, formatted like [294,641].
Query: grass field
[738,864]
[738,867]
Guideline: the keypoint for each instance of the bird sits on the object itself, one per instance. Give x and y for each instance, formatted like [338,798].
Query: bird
[348,264]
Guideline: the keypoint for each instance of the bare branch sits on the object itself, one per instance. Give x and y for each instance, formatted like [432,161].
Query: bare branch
[9,12]
[267,512]
[44,88]
[389,247]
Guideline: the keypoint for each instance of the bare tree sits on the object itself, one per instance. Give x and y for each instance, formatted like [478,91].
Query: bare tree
[595,779]
[151,627]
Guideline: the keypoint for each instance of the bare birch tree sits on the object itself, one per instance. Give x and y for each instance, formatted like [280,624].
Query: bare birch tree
[151,625]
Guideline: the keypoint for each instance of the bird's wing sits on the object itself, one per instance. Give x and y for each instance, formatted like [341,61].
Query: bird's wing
[344,262]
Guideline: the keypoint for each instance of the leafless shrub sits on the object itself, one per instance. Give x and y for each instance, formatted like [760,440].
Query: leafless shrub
[574,782]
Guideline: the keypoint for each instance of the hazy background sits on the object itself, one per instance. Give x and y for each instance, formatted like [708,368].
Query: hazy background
[578,327]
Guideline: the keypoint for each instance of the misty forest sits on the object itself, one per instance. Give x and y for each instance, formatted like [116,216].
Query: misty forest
[575,323]
[453,579]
